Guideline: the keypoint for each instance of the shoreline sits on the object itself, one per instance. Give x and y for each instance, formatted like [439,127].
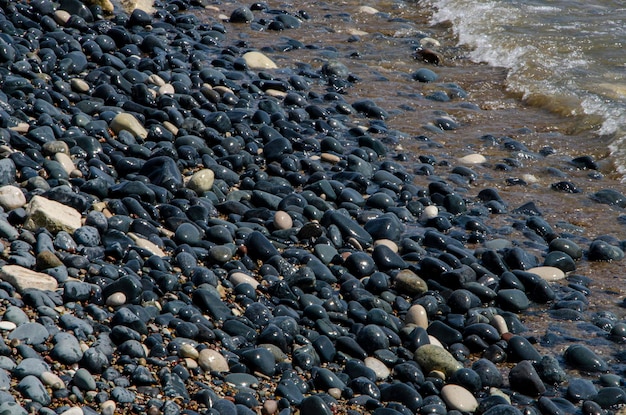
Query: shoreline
[191,227]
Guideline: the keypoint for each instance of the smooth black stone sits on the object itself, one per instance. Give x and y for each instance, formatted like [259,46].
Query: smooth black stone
[489,373]
[519,348]
[348,228]
[581,390]
[385,227]
[610,197]
[610,397]
[261,360]
[360,264]
[468,378]
[512,300]
[524,378]
[372,337]
[444,333]
[600,250]
[259,247]
[403,393]
[211,303]
[314,405]
[163,171]
[502,409]
[582,358]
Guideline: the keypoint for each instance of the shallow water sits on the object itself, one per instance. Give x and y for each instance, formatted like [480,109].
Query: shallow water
[379,49]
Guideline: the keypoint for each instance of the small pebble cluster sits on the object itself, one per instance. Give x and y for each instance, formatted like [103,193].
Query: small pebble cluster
[189,228]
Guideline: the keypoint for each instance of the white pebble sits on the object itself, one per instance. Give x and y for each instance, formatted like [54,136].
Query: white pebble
[7,325]
[417,315]
[167,89]
[548,273]
[73,411]
[61,17]
[52,380]
[500,324]
[367,10]
[65,161]
[79,85]
[381,370]
[108,407]
[473,159]
[11,197]
[237,278]
[430,212]
[388,243]
[116,299]
[212,360]
[187,350]
[201,181]
[435,341]
[282,220]
[257,60]
[429,42]
[459,398]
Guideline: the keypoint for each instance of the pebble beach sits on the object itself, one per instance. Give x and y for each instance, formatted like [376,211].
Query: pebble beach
[238,209]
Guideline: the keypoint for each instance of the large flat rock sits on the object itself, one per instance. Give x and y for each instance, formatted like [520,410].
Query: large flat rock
[23,278]
[52,215]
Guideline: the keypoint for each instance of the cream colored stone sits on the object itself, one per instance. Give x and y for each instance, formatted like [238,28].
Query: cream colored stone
[187,350]
[75,410]
[212,360]
[52,380]
[473,159]
[330,158]
[388,243]
[65,161]
[201,181]
[275,93]
[548,273]
[167,89]
[429,42]
[500,324]
[52,215]
[367,10]
[381,370]
[116,299]
[7,326]
[108,407]
[156,80]
[128,122]
[146,244]
[257,60]
[79,85]
[11,197]
[282,220]
[61,17]
[23,278]
[430,212]
[417,315]
[459,398]
[241,277]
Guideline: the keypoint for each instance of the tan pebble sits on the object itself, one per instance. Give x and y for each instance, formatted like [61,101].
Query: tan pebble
[473,159]
[21,127]
[75,174]
[223,90]
[388,243]
[79,85]
[116,299]
[275,93]
[108,407]
[257,60]
[61,17]
[65,161]
[548,273]
[335,392]
[499,392]
[417,315]
[459,398]
[156,80]
[191,363]
[367,10]
[438,374]
[240,277]
[270,407]
[52,380]
[170,127]
[330,158]
[167,89]
[187,350]
[212,360]
[282,220]
[430,212]
[128,122]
